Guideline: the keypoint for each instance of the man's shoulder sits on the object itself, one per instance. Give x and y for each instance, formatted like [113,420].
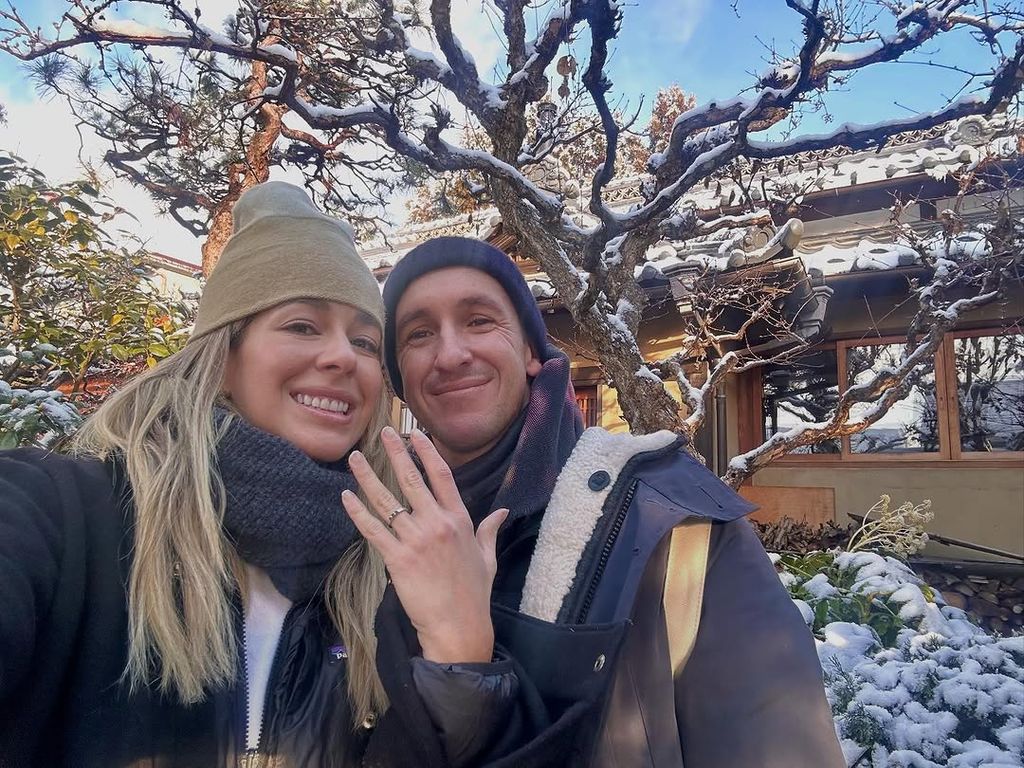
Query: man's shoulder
[614,450]
[662,461]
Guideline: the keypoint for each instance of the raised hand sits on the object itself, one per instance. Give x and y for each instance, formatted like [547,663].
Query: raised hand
[441,569]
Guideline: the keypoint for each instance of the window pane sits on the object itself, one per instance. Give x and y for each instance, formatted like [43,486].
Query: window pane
[912,424]
[803,392]
[990,392]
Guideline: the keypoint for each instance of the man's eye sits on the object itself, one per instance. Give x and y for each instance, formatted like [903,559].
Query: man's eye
[480,321]
[417,335]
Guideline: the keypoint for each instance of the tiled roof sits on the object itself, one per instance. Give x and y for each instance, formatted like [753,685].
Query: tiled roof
[935,152]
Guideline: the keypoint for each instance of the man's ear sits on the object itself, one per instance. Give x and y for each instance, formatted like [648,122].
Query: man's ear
[533,363]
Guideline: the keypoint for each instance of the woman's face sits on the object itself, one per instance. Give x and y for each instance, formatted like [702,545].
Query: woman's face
[309,372]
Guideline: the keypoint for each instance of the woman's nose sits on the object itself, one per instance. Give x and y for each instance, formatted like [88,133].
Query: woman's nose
[337,353]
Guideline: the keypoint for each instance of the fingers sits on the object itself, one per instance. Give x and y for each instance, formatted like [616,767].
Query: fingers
[381,499]
[408,475]
[441,480]
[487,537]
[372,527]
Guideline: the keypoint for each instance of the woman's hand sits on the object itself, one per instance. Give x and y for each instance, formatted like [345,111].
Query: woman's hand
[441,569]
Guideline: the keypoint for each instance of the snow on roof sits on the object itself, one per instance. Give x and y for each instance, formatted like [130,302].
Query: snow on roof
[937,152]
[866,255]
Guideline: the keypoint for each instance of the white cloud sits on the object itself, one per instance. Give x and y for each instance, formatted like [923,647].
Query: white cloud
[474,22]
[686,16]
[43,133]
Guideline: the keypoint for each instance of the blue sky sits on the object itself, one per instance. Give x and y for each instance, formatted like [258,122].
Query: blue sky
[701,45]
[710,50]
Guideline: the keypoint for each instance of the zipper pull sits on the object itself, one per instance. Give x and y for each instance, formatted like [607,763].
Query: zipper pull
[251,758]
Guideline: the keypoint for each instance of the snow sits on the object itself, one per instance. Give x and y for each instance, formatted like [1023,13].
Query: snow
[846,644]
[620,327]
[966,245]
[819,586]
[889,126]
[135,29]
[806,613]
[276,49]
[325,112]
[943,693]
[426,57]
[646,373]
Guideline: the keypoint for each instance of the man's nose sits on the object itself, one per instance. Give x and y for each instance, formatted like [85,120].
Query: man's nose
[452,350]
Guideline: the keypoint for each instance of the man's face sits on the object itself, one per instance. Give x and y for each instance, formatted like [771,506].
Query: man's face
[464,359]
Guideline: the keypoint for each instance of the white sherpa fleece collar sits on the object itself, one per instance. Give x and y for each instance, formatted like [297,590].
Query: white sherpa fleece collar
[573,512]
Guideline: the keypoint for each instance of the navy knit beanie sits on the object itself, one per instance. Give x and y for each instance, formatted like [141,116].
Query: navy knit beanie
[442,252]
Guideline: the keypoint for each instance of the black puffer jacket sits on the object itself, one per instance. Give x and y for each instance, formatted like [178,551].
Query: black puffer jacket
[65,548]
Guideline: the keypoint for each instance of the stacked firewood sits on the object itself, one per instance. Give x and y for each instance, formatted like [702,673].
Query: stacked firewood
[996,602]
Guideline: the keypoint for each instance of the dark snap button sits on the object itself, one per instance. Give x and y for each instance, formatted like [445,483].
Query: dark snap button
[599,480]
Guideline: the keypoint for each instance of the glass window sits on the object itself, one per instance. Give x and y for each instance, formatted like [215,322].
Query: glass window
[990,392]
[802,392]
[911,425]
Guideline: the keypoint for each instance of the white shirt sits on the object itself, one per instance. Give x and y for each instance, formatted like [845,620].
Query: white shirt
[265,609]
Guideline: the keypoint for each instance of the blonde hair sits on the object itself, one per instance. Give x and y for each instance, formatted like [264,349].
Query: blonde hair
[184,571]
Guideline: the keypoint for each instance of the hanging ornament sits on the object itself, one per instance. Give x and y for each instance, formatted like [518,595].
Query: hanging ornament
[566,68]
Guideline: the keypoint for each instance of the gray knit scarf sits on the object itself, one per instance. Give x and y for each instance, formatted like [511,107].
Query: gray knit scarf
[283,509]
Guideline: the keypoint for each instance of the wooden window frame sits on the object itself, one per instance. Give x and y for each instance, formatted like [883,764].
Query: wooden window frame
[950,453]
[404,409]
[589,389]
[953,417]
[847,454]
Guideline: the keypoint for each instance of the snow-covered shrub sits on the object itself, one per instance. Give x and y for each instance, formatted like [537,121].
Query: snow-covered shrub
[37,416]
[911,681]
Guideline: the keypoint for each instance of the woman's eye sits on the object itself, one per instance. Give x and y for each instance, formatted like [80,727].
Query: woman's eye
[301,328]
[367,344]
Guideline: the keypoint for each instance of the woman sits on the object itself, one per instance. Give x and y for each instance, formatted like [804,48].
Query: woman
[187,590]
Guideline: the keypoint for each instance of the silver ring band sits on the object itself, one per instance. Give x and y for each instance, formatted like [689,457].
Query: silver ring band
[394,514]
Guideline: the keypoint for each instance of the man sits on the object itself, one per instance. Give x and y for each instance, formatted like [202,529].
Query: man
[587,542]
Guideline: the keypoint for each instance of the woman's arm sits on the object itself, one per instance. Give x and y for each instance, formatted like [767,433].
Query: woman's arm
[30,552]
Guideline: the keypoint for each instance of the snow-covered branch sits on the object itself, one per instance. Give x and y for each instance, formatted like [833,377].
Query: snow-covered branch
[890,384]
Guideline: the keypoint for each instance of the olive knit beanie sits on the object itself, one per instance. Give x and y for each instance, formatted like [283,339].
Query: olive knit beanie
[283,248]
[443,252]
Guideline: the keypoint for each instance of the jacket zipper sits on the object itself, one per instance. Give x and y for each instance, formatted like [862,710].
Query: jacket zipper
[255,758]
[606,551]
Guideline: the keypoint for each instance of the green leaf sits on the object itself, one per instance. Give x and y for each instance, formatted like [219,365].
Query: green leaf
[821,614]
[74,202]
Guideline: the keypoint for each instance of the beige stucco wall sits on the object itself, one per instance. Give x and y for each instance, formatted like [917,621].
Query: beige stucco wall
[980,505]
